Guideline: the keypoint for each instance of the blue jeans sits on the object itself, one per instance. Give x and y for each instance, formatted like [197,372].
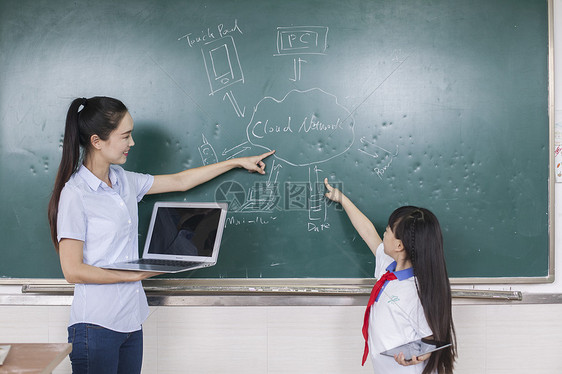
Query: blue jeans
[97,350]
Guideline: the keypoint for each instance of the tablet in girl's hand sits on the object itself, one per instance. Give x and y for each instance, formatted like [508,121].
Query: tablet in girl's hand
[416,348]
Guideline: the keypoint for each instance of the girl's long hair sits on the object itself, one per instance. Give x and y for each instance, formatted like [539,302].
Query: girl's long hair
[86,117]
[420,233]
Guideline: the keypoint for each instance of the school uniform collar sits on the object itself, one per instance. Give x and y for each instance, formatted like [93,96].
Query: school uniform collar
[400,274]
[94,182]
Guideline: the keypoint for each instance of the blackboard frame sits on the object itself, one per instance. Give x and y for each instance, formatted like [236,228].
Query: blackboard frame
[476,280]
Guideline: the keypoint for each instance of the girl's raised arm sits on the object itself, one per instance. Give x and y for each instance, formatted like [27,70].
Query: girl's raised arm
[362,224]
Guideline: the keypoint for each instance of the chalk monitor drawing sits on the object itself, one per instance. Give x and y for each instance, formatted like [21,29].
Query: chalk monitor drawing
[298,40]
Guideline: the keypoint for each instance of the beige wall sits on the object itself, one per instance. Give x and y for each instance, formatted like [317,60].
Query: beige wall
[273,339]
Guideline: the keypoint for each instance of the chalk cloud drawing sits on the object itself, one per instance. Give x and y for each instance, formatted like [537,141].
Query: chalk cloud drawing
[311,125]
[305,127]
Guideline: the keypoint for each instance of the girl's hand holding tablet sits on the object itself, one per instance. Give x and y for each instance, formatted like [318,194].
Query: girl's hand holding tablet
[414,361]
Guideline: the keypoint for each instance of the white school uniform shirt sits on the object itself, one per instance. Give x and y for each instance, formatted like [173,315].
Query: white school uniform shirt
[396,317]
[106,220]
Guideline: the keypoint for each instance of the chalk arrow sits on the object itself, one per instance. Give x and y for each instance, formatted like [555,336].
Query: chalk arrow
[230,95]
[237,148]
[275,169]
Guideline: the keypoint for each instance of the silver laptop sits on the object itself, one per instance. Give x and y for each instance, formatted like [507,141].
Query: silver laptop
[181,236]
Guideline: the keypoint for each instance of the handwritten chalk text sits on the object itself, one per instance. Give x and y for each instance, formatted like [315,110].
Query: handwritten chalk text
[208,35]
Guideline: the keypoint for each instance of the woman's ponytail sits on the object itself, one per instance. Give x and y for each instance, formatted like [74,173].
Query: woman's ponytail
[86,117]
[68,165]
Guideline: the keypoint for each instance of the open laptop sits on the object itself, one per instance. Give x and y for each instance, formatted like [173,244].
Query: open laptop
[181,236]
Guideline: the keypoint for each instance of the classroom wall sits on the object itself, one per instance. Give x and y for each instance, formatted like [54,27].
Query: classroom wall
[493,337]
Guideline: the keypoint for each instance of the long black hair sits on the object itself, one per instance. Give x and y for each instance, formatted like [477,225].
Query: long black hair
[86,117]
[420,233]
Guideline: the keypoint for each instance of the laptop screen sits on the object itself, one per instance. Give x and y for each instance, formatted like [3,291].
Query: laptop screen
[184,231]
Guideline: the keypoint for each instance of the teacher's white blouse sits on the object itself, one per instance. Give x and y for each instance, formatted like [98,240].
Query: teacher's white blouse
[106,220]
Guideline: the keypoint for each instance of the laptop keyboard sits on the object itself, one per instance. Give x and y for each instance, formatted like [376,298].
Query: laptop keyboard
[149,261]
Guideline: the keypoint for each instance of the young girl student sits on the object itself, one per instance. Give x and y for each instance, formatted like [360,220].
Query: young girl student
[412,297]
[94,222]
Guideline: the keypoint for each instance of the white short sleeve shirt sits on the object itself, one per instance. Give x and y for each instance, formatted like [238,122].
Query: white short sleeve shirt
[396,318]
[106,220]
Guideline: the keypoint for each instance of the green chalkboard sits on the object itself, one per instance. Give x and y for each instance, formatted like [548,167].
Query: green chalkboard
[441,103]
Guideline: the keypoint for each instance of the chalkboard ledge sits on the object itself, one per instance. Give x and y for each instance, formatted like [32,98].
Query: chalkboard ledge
[62,296]
[273,292]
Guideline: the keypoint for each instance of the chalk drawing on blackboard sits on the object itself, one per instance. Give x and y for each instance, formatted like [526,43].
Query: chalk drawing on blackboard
[311,126]
[383,156]
[373,150]
[209,34]
[230,96]
[317,205]
[261,198]
[274,171]
[207,152]
[222,63]
[245,219]
[301,40]
[297,69]
[238,149]
[264,197]
[380,171]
